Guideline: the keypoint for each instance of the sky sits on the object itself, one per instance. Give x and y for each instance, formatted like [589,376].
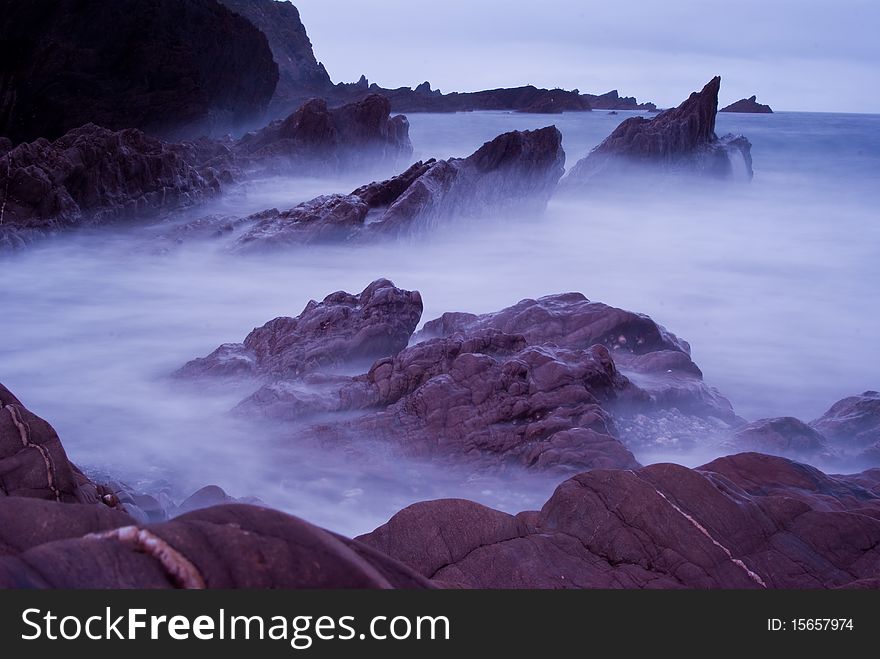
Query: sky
[794,54]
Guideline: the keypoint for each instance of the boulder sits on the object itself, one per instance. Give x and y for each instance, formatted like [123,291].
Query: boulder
[853,422]
[341,330]
[163,66]
[515,172]
[748,521]
[748,105]
[679,140]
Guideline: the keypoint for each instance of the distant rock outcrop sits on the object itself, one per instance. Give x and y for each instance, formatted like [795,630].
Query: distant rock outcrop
[511,99]
[681,139]
[301,76]
[164,66]
[355,135]
[748,105]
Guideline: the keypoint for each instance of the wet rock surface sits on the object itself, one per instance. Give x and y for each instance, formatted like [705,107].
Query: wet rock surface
[746,521]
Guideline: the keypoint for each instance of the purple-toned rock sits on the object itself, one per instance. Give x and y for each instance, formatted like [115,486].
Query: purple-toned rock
[486,398]
[32,460]
[94,175]
[515,172]
[748,105]
[681,139]
[853,422]
[159,65]
[314,137]
[784,436]
[342,329]
[230,546]
[747,521]
[650,356]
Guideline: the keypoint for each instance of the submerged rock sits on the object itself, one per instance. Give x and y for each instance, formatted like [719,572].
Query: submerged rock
[515,172]
[747,521]
[163,66]
[682,139]
[342,329]
[748,105]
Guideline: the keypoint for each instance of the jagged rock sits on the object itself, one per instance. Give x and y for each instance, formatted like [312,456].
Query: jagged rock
[516,171]
[748,105]
[853,422]
[301,76]
[96,175]
[784,436]
[746,521]
[159,65]
[315,136]
[343,329]
[681,139]
[231,546]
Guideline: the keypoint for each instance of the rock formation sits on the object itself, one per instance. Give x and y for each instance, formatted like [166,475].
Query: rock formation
[94,175]
[513,99]
[748,105]
[163,66]
[853,425]
[301,76]
[539,385]
[316,137]
[516,172]
[342,329]
[784,436]
[746,521]
[681,139]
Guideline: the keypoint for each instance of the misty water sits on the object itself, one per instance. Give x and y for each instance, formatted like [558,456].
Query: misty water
[773,282]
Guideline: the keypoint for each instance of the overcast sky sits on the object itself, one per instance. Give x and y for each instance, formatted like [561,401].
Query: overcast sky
[794,54]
